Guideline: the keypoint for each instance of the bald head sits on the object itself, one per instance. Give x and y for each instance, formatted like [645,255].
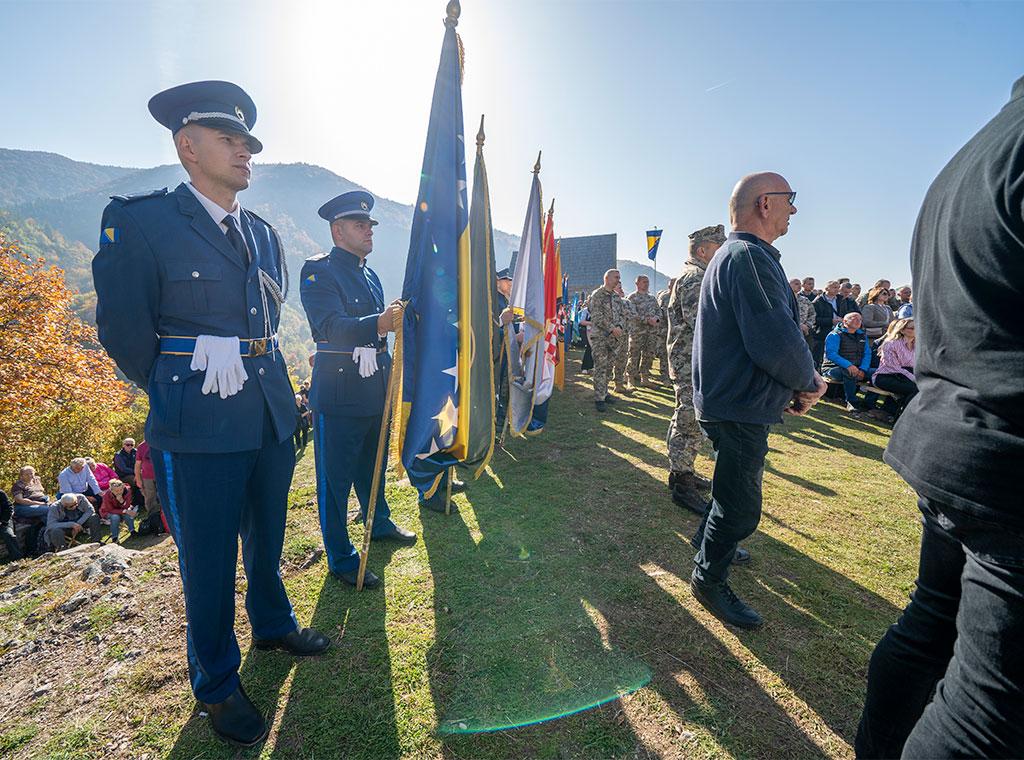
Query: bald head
[760,205]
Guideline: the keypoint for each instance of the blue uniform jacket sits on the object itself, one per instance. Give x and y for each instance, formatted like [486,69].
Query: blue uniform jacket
[164,267]
[337,292]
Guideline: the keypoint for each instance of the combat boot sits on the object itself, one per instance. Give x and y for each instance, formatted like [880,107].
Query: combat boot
[601,406]
[686,494]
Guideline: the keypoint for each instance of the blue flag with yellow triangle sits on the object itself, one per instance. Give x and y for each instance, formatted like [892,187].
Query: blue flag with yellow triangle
[653,239]
[436,329]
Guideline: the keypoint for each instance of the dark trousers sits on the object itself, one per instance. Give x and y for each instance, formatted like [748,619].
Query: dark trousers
[10,540]
[902,386]
[850,387]
[817,346]
[301,434]
[346,451]
[735,496]
[209,501]
[947,680]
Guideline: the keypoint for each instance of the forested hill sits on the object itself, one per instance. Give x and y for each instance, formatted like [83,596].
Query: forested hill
[52,206]
[65,198]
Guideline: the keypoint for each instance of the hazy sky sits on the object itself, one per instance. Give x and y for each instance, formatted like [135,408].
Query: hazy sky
[647,112]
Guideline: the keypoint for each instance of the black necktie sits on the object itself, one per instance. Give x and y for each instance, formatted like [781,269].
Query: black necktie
[235,238]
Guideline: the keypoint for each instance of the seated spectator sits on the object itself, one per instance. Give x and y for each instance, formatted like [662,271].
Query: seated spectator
[144,473]
[907,309]
[30,500]
[103,473]
[899,297]
[117,506]
[78,478]
[68,516]
[124,466]
[876,314]
[895,372]
[848,359]
[7,534]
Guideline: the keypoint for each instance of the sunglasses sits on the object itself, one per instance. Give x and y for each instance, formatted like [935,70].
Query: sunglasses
[791,194]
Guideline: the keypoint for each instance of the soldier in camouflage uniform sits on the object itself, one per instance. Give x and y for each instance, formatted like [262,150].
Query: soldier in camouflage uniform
[807,316]
[663,297]
[619,374]
[684,434]
[607,333]
[644,337]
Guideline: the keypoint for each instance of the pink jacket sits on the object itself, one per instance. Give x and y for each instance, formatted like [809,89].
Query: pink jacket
[104,473]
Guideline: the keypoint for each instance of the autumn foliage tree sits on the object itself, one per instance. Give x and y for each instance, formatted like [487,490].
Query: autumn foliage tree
[59,394]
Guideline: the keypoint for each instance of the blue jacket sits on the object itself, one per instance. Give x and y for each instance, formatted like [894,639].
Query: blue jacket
[338,294]
[832,341]
[165,268]
[749,355]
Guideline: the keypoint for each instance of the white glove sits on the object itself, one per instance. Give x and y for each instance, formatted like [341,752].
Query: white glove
[222,360]
[367,359]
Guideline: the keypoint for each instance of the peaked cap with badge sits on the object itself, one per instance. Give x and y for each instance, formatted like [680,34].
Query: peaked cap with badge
[355,204]
[218,105]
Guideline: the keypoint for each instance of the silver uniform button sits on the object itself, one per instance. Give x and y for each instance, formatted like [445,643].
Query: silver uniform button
[195,274]
[253,311]
[341,369]
[262,370]
[175,378]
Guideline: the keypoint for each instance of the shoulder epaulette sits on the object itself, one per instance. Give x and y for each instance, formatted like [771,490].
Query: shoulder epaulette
[319,256]
[139,196]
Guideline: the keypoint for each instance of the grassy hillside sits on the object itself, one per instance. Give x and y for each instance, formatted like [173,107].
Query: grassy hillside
[560,584]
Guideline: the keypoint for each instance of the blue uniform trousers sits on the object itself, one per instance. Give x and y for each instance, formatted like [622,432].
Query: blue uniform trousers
[346,450]
[210,500]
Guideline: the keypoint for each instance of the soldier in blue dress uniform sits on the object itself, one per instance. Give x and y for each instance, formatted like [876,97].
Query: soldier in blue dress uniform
[189,289]
[344,303]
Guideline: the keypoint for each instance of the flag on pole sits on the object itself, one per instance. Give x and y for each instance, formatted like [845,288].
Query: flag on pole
[653,239]
[438,406]
[483,313]
[526,359]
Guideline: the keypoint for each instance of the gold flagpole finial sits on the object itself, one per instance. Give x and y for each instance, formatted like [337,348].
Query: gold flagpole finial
[536,166]
[452,13]
[551,210]
[480,134]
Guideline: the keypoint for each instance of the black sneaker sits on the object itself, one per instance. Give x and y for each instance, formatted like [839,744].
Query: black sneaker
[720,601]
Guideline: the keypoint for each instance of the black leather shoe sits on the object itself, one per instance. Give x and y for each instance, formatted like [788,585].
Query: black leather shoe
[369,579]
[720,601]
[302,642]
[688,497]
[741,557]
[436,503]
[601,406]
[397,534]
[458,486]
[237,720]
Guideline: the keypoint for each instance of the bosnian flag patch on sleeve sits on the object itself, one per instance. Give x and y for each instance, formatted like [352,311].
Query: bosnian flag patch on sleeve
[110,235]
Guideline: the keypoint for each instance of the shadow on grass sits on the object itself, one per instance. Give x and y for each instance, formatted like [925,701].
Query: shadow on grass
[574,582]
[340,704]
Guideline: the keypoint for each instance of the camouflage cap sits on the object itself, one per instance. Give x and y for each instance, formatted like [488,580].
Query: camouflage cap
[714,233]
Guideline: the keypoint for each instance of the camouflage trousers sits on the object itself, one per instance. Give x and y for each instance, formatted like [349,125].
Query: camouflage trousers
[609,362]
[643,347]
[662,354]
[684,433]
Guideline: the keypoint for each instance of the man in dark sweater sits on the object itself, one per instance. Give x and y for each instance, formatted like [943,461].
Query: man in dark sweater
[750,364]
[947,680]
